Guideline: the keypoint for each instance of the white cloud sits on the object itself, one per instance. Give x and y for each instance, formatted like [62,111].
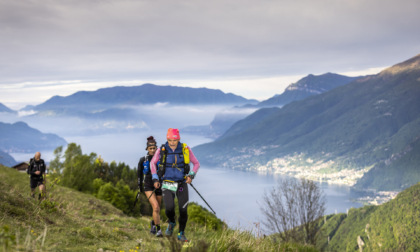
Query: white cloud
[26,113]
[369,71]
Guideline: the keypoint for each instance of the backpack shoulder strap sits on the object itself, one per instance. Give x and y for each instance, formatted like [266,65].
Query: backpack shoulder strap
[163,153]
[186,153]
[162,161]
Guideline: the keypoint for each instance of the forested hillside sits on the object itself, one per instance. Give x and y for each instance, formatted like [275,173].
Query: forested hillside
[393,226]
[371,121]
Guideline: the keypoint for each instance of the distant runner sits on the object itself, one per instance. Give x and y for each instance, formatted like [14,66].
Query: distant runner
[37,170]
[174,169]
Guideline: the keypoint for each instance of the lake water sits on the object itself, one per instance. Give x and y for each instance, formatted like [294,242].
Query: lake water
[234,195]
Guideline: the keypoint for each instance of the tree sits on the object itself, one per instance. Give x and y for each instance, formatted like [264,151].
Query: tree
[292,208]
[56,165]
[73,150]
[80,174]
[78,171]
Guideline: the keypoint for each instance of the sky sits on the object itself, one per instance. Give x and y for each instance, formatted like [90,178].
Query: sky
[250,48]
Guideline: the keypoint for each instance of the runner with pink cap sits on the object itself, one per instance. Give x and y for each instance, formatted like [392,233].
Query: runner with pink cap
[175,174]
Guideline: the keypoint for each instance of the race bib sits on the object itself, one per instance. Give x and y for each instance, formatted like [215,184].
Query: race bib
[173,186]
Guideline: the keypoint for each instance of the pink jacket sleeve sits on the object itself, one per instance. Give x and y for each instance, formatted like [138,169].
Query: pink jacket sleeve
[194,160]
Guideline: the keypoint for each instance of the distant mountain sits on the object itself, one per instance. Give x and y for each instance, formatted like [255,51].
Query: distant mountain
[6,159]
[20,138]
[369,122]
[144,94]
[307,86]
[392,226]
[4,108]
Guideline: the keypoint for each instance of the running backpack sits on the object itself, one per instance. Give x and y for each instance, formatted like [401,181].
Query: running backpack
[162,161]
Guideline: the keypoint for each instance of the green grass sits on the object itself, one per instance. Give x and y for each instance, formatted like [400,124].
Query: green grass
[68,220]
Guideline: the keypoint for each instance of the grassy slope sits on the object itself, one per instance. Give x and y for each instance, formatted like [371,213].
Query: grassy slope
[74,221]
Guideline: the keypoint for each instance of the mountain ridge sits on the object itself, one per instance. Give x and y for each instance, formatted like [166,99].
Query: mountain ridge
[350,127]
[4,108]
[307,86]
[19,137]
[143,94]
[6,159]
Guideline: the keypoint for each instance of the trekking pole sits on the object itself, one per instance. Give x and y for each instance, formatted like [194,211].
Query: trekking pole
[202,198]
[151,194]
[137,198]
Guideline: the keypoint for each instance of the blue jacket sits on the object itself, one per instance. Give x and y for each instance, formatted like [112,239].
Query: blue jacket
[174,164]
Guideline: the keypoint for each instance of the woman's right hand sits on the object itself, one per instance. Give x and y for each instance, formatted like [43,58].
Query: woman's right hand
[157,185]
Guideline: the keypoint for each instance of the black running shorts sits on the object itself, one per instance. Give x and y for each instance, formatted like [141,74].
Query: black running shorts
[149,187]
[35,182]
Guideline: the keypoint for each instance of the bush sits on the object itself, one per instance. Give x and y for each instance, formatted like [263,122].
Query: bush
[203,217]
[120,195]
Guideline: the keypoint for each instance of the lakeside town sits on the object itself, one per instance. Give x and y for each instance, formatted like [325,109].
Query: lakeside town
[320,171]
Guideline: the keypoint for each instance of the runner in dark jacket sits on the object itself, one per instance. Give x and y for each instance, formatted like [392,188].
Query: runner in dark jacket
[145,183]
[37,170]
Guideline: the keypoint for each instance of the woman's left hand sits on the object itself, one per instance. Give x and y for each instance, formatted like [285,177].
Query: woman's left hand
[188,180]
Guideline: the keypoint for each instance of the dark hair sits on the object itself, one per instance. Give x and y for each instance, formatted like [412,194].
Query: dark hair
[150,142]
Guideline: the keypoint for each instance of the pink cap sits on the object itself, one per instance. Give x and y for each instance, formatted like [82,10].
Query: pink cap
[173,134]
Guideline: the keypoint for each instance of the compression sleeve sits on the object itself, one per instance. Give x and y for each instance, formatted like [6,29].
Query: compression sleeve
[153,164]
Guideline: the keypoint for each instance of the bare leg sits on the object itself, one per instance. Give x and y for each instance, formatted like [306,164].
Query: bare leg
[155,205]
[159,199]
[42,190]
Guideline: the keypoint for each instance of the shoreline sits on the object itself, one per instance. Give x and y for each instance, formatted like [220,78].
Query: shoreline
[314,172]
